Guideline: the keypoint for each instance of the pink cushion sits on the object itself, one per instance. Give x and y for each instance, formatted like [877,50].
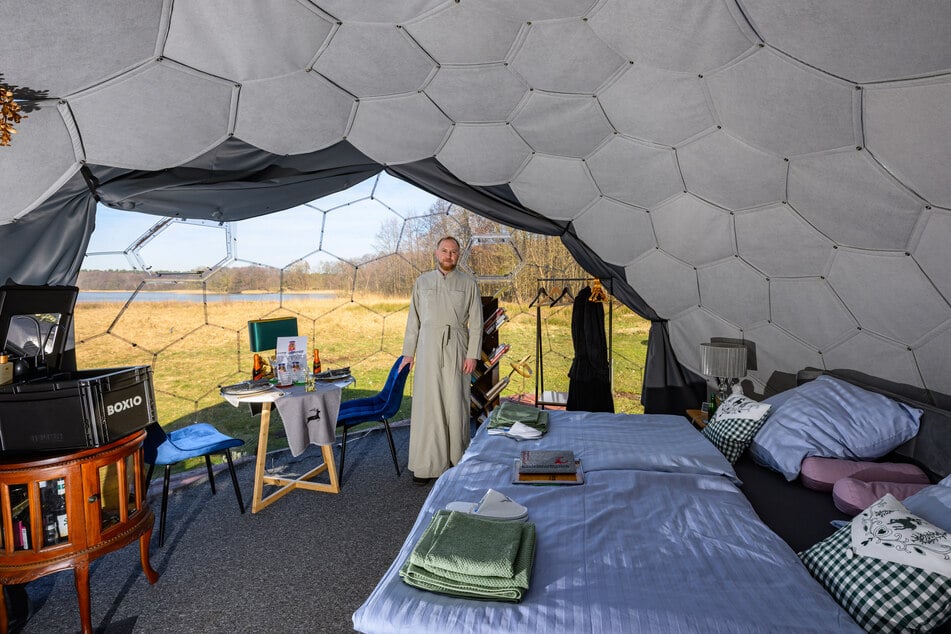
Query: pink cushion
[852,495]
[821,473]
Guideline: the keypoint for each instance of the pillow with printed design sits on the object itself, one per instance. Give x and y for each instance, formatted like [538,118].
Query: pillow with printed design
[734,425]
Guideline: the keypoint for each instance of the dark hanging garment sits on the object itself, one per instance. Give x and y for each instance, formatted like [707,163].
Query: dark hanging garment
[589,385]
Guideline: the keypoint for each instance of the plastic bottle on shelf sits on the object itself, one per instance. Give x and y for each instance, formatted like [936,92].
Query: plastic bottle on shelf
[316,361]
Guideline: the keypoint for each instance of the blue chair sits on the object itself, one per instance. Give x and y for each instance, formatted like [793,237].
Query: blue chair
[380,407]
[199,439]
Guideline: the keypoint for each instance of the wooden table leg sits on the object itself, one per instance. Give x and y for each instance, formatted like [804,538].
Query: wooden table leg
[147,568]
[258,489]
[3,612]
[81,577]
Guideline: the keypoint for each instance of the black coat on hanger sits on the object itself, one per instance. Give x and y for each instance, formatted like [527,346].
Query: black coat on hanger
[589,385]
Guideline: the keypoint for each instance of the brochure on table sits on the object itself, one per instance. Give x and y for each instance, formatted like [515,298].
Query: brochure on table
[290,360]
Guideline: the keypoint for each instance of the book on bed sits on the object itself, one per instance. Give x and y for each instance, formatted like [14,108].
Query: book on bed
[547,461]
[575,476]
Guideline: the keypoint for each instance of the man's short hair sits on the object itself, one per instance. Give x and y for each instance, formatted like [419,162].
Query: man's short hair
[444,238]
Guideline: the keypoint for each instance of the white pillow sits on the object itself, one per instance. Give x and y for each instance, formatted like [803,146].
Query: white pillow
[887,531]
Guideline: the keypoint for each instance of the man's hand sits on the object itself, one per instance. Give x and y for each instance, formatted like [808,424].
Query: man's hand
[407,361]
[468,366]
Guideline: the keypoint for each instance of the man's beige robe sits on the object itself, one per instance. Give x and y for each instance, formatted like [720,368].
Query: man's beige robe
[443,329]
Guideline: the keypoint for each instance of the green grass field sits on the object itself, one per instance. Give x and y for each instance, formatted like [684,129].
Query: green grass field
[194,348]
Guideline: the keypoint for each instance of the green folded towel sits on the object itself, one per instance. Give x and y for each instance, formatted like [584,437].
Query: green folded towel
[467,552]
[509,413]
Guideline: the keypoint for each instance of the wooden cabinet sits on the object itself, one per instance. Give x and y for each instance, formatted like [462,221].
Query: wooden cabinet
[486,384]
[62,511]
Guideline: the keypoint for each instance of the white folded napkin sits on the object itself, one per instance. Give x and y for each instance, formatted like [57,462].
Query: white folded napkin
[523,431]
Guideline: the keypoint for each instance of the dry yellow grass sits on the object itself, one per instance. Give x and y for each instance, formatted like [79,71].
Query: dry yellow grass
[195,347]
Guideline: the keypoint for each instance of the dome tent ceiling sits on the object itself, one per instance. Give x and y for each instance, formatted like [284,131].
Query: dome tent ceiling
[774,170]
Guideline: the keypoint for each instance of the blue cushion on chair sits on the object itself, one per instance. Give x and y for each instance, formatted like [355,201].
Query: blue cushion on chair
[192,442]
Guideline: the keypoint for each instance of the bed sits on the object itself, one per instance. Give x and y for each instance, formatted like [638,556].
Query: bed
[659,538]
[652,542]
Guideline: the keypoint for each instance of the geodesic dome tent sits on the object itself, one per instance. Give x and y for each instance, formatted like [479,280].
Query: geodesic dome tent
[768,170]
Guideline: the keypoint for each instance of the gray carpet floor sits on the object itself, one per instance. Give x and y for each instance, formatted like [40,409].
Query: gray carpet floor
[303,564]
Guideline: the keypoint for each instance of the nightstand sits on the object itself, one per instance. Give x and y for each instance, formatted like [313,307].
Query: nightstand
[697,417]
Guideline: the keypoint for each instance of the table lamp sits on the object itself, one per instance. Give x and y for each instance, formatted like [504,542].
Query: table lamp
[726,362]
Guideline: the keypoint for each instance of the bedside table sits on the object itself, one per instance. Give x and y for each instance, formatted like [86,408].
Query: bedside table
[697,417]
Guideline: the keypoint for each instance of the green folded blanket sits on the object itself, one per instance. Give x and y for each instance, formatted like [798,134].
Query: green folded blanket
[472,557]
[509,413]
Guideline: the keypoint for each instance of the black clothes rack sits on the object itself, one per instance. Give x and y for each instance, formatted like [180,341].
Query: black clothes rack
[559,298]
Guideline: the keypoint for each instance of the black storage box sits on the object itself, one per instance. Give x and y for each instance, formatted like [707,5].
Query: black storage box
[76,410]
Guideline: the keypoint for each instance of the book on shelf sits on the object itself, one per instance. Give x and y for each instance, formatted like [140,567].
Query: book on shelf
[575,476]
[547,461]
[501,319]
[493,318]
[496,389]
[497,354]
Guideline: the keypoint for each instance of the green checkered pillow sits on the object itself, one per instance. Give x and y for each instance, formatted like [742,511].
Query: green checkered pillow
[881,596]
[735,423]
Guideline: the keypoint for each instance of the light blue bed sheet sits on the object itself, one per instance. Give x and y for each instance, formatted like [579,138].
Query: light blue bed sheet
[602,441]
[628,551]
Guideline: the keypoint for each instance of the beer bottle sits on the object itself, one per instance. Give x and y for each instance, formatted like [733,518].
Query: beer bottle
[258,372]
[316,361]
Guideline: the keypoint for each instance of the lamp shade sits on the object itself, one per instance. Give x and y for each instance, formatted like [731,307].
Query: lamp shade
[726,360]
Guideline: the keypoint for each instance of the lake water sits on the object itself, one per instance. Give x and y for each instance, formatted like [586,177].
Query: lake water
[172,296]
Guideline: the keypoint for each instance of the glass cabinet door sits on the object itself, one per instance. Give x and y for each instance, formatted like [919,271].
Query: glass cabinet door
[21,537]
[53,512]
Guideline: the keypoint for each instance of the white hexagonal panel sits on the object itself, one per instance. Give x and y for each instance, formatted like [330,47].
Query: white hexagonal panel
[669,286]
[62,65]
[776,349]
[787,95]
[688,330]
[389,62]
[845,39]
[376,11]
[778,242]
[618,232]
[321,113]
[679,35]
[908,129]
[38,162]
[810,310]
[421,131]
[477,94]
[478,36]
[565,56]
[933,253]
[881,357]
[164,113]
[635,172]
[851,199]
[487,154]
[559,188]
[734,291]
[243,40]
[539,9]
[659,105]
[561,124]
[724,170]
[887,294]
[693,230]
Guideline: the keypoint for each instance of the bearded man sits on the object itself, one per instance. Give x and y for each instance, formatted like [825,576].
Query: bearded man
[443,339]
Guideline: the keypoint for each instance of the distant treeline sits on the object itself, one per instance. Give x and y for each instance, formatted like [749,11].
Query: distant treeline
[400,251]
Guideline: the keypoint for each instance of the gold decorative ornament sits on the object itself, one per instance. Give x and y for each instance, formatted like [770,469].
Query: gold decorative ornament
[9,115]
